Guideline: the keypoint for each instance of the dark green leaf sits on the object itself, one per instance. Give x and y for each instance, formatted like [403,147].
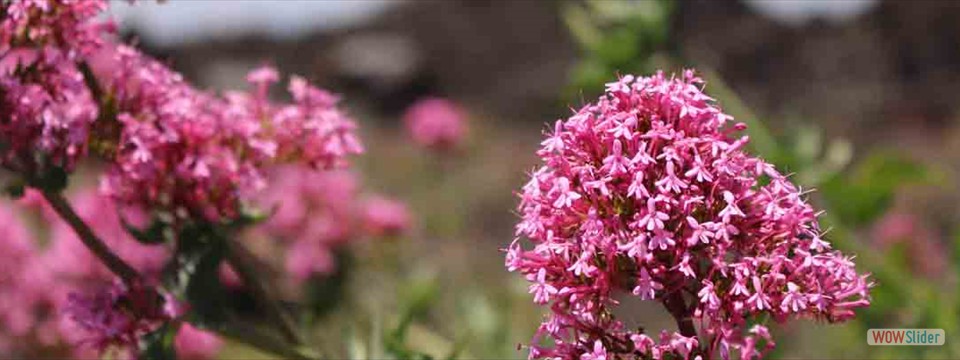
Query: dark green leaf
[193,275]
[323,293]
[157,233]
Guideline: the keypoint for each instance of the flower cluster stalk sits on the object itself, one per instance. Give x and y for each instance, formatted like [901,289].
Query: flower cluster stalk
[239,258]
[127,273]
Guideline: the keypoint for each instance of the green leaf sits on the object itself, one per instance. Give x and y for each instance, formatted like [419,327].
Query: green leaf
[323,293]
[416,300]
[866,192]
[157,233]
[193,275]
[158,345]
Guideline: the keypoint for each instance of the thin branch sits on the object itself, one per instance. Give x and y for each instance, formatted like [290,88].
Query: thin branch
[250,336]
[678,308]
[90,239]
[242,261]
[238,257]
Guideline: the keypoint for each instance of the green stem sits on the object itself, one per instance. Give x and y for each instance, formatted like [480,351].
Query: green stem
[250,336]
[243,262]
[129,275]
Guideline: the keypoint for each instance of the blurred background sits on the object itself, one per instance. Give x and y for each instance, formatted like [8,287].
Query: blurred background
[856,98]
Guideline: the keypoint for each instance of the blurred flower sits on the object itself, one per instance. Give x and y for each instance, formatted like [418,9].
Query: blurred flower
[436,123]
[317,212]
[116,317]
[194,154]
[228,276]
[646,191]
[306,259]
[314,212]
[195,344]
[311,206]
[38,281]
[925,254]
[386,217]
[67,258]
[20,284]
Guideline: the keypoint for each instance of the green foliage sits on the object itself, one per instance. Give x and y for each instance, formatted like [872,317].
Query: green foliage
[324,293]
[405,339]
[864,193]
[615,37]
[415,303]
[192,275]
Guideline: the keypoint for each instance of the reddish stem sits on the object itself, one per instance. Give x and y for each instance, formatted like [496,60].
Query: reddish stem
[90,240]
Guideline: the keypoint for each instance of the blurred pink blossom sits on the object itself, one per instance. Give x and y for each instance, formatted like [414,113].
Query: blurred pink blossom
[116,317]
[195,344]
[386,217]
[436,123]
[925,253]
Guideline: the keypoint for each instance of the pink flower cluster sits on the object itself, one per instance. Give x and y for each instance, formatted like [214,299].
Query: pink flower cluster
[646,193]
[46,111]
[171,151]
[317,212]
[117,317]
[190,152]
[41,306]
[171,147]
[385,217]
[436,123]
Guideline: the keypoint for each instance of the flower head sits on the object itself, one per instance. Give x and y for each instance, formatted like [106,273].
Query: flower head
[116,317]
[386,217]
[436,123]
[647,191]
[194,153]
[46,110]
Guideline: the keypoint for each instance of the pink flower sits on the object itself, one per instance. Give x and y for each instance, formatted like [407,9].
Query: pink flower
[46,111]
[925,253]
[195,344]
[647,190]
[599,352]
[541,290]
[306,259]
[24,288]
[646,288]
[182,149]
[229,277]
[38,281]
[386,217]
[116,317]
[436,123]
